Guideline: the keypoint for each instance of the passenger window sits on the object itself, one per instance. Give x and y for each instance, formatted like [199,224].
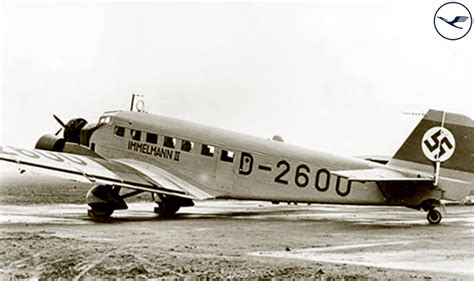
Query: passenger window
[186,145]
[227,156]
[169,142]
[207,150]
[119,131]
[136,135]
[152,138]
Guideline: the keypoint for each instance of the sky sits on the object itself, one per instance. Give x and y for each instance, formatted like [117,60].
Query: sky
[332,76]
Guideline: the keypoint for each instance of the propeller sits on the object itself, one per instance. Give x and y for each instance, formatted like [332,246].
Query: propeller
[72,128]
[60,122]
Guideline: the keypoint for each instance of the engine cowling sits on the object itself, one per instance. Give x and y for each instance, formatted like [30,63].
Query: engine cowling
[72,129]
[50,142]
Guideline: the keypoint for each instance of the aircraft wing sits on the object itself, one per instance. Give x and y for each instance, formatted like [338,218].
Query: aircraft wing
[381,175]
[165,178]
[125,172]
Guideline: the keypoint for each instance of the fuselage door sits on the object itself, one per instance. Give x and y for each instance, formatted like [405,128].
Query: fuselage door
[226,168]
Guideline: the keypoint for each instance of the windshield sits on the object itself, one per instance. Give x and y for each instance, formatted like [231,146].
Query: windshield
[104,120]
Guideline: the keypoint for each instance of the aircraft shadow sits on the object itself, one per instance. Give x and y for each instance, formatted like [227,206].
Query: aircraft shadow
[278,216]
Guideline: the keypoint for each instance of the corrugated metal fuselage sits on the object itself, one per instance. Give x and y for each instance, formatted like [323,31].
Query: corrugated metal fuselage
[256,169]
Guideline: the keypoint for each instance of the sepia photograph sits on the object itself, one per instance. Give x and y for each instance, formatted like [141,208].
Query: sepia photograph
[320,140]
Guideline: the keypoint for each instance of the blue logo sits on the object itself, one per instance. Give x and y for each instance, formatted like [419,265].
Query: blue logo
[453,21]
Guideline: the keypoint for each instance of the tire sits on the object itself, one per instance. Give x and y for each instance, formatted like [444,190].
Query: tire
[167,210]
[100,214]
[434,216]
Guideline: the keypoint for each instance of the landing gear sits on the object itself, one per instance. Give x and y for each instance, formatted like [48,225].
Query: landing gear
[104,200]
[100,213]
[436,210]
[168,205]
[434,215]
[167,209]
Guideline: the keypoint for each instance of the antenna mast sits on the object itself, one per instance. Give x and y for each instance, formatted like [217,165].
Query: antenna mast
[137,103]
[133,102]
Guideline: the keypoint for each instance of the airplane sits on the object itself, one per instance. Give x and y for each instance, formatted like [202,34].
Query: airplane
[127,152]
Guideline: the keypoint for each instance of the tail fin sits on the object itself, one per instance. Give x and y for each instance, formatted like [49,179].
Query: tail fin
[440,137]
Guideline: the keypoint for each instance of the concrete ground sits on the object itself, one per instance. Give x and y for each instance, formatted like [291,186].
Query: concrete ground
[232,239]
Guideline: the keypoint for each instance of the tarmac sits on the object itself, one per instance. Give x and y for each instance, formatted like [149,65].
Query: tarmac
[236,239]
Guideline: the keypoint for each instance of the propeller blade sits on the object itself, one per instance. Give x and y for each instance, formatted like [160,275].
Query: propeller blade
[59,121]
[59,131]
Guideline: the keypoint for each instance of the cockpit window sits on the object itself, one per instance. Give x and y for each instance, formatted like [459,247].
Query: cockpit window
[104,120]
[119,131]
[136,135]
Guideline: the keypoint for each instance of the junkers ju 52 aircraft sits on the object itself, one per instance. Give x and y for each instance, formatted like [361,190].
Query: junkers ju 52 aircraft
[130,152]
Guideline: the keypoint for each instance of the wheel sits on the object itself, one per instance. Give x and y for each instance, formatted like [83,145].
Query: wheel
[434,216]
[167,209]
[100,213]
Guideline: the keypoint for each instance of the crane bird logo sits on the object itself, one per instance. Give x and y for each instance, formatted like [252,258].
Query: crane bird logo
[453,21]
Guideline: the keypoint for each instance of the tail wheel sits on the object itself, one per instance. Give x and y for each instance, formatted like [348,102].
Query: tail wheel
[434,216]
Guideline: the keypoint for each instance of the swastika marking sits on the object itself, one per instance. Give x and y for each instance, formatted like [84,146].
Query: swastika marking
[438,144]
